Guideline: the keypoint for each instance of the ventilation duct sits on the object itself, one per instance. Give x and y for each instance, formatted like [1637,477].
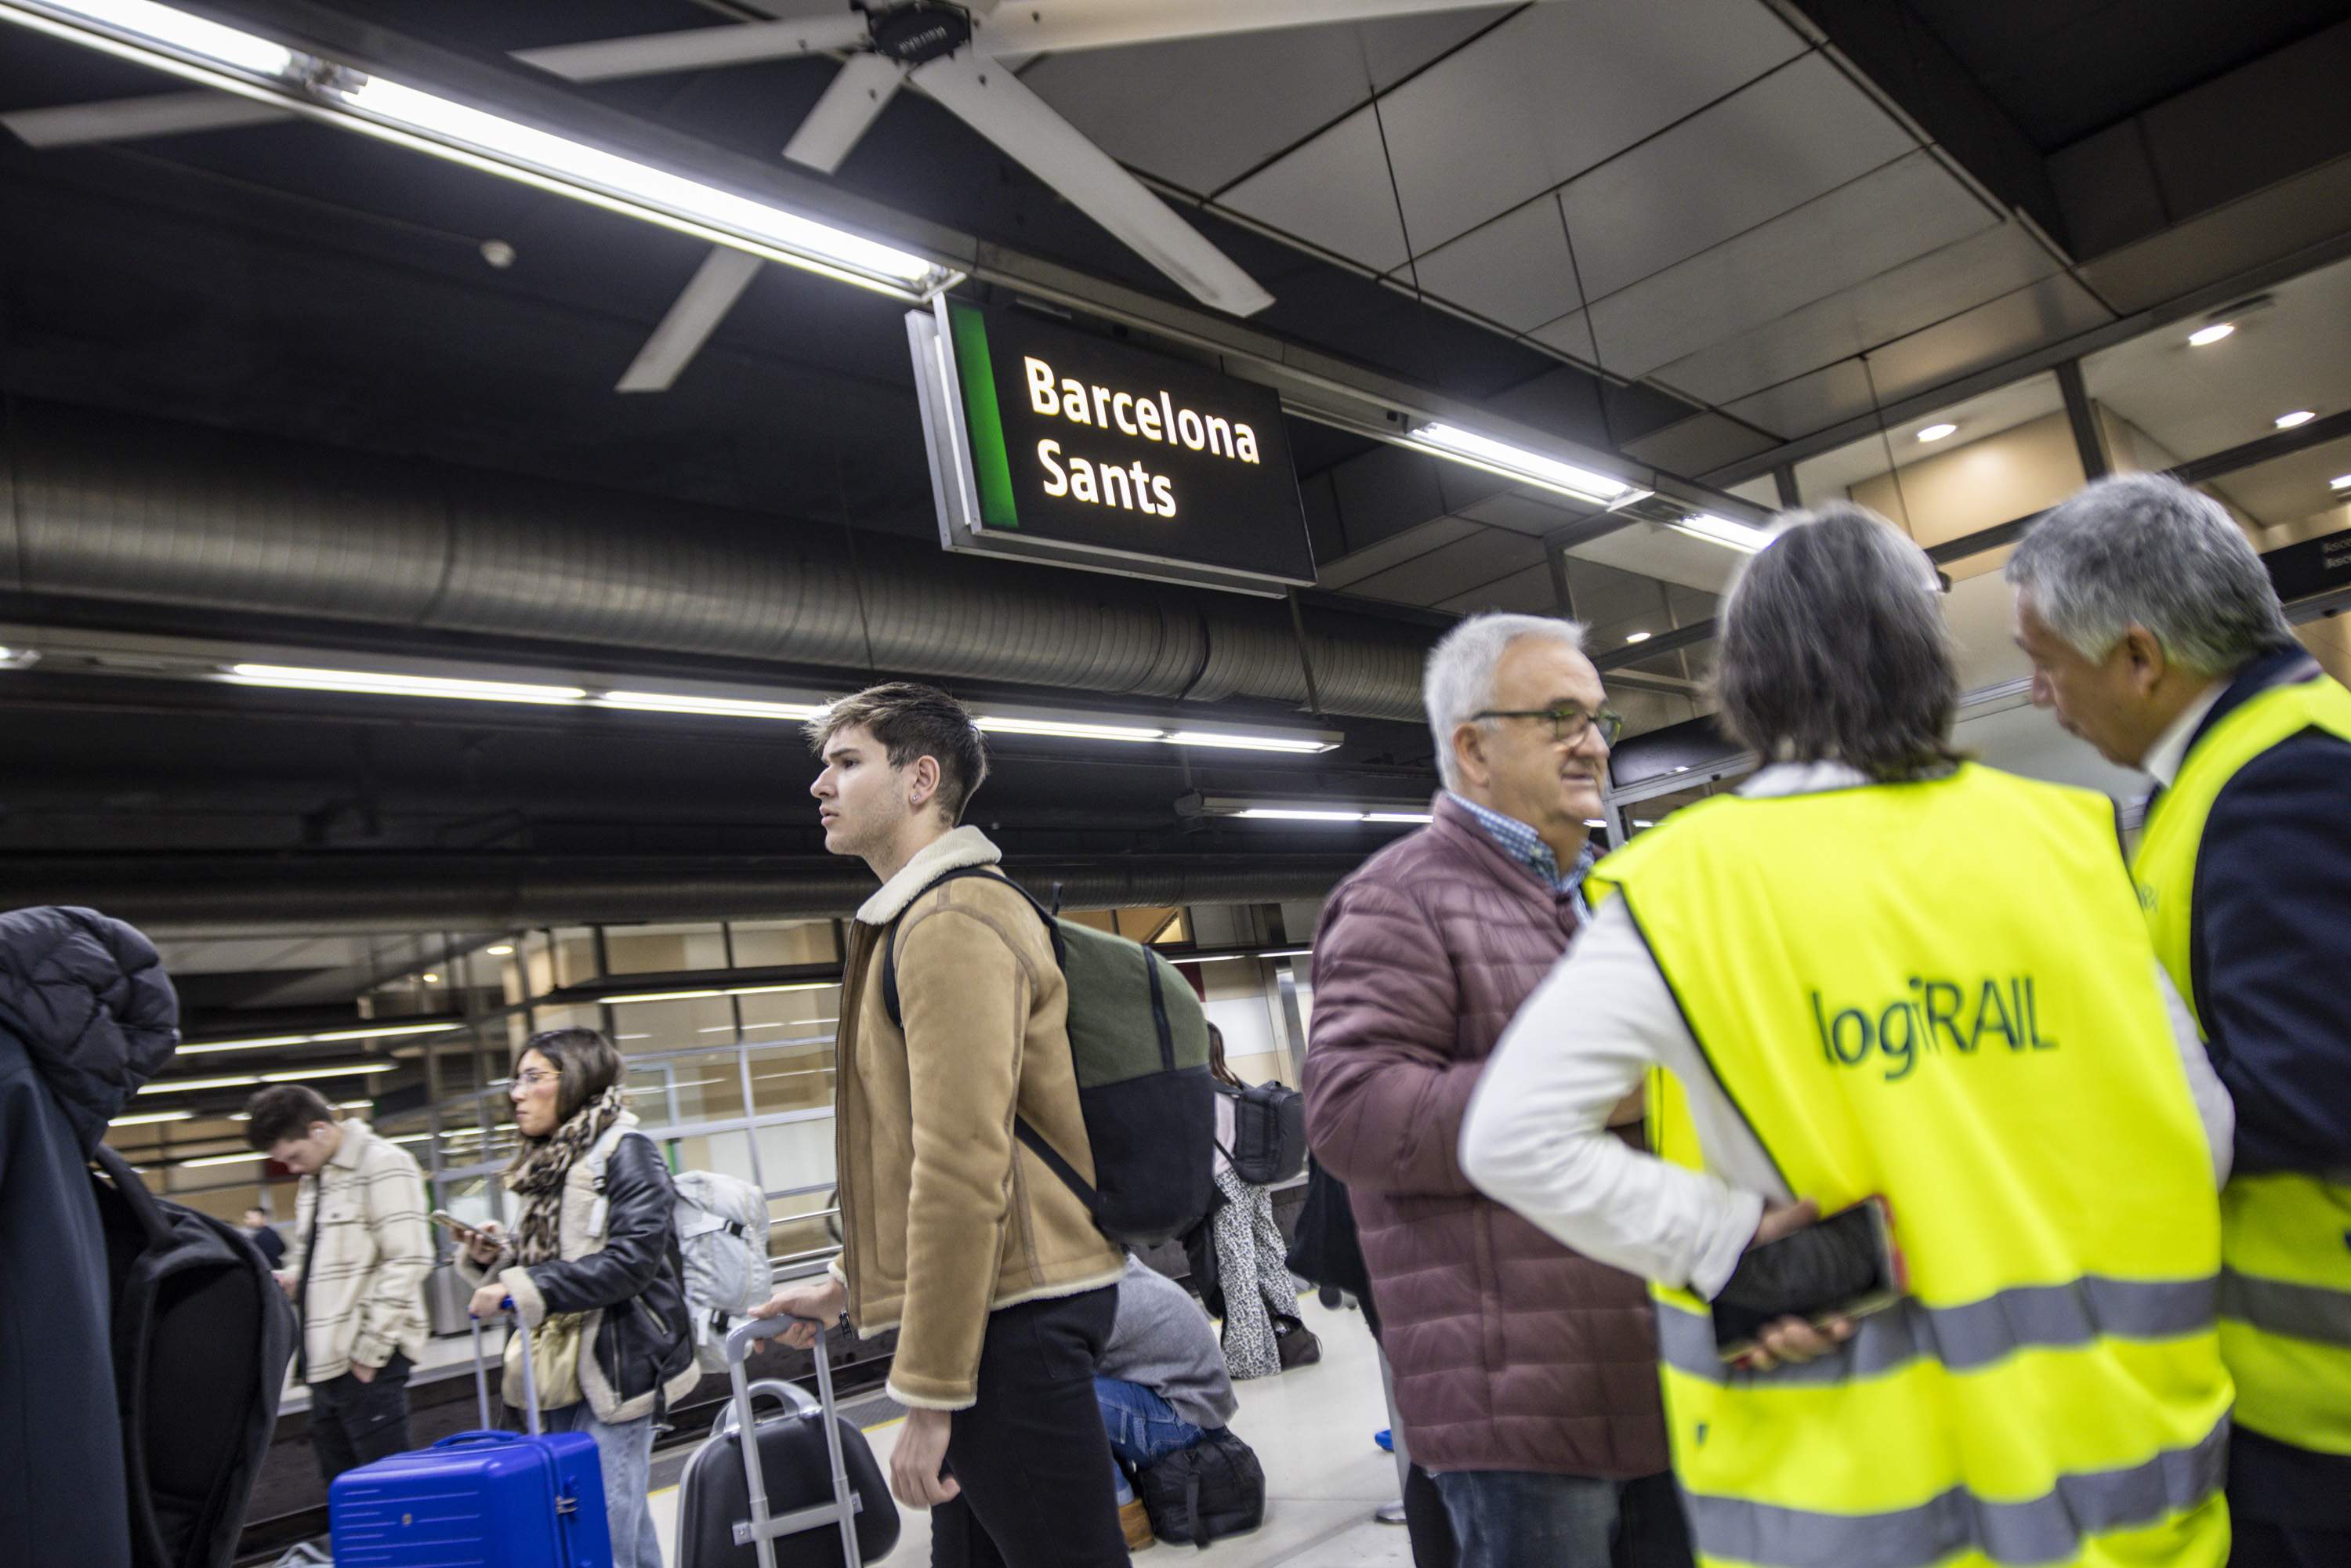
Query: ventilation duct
[113,508]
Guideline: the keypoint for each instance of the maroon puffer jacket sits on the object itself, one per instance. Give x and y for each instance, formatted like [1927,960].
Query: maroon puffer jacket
[1511,1352]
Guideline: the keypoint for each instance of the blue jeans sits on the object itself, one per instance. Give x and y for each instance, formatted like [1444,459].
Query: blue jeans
[1503,1519]
[1141,1426]
[626,1451]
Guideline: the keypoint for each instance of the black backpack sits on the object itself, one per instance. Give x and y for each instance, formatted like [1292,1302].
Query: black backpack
[1214,1489]
[202,1339]
[1140,1044]
[1269,1132]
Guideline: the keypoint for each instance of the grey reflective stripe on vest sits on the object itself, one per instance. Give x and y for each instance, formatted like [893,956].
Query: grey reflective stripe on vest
[1963,1337]
[2298,1311]
[2048,1528]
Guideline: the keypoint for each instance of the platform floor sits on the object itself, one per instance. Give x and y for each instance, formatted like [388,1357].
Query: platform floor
[1312,1431]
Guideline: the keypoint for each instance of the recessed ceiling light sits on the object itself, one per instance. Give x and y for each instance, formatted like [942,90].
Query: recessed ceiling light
[1937,431]
[2340,482]
[2299,416]
[501,951]
[432,979]
[2212,334]
[1636,636]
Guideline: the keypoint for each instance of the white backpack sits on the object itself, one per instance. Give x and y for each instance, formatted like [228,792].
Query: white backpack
[722,1237]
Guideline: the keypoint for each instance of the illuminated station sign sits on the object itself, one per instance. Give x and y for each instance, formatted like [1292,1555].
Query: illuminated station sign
[1051,444]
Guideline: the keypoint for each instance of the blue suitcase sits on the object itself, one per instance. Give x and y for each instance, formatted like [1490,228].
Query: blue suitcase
[479,1500]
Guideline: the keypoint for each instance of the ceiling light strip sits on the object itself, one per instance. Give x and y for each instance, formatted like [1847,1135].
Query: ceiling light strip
[393,1031]
[201,50]
[1529,468]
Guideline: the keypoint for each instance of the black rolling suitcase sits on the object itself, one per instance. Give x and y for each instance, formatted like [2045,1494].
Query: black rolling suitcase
[806,1494]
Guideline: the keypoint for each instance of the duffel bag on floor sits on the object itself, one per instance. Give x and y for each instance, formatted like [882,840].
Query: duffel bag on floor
[1214,1489]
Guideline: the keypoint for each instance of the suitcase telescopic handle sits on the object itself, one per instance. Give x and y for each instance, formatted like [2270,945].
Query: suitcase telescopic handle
[482,1369]
[762,1529]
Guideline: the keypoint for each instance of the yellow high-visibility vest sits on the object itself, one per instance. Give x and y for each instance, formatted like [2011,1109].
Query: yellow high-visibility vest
[2285,1290]
[1939,992]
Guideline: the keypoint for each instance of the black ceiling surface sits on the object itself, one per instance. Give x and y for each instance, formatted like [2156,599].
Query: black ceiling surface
[298,280]
[2063,69]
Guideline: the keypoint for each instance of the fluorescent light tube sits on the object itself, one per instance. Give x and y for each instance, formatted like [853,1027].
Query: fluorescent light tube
[707,994]
[305,1075]
[1638,636]
[728,707]
[1937,431]
[376,683]
[503,950]
[259,1042]
[140,21]
[2299,416]
[1516,462]
[661,996]
[2212,334]
[194,47]
[218,1160]
[2340,482]
[183,1085]
[147,1117]
[1286,953]
[1397,817]
[1595,821]
[1717,530]
[993,724]
[508,147]
[1203,738]
[1283,814]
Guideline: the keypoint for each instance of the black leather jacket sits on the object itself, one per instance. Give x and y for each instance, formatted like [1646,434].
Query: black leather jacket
[644,1339]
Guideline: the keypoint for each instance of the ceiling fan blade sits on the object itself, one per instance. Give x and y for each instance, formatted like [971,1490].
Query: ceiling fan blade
[127,118]
[1050,25]
[700,306]
[991,100]
[859,94]
[656,53]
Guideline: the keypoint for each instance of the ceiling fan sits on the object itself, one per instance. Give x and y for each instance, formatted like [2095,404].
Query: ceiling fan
[961,56]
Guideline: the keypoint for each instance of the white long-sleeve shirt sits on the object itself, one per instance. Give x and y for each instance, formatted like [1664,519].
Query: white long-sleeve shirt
[1536,1137]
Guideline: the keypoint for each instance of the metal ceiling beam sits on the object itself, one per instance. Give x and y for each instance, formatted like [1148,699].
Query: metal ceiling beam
[255,895]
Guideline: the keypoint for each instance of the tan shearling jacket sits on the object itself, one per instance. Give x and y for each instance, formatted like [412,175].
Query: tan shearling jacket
[945,1216]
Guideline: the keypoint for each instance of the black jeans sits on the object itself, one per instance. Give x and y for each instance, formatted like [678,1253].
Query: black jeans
[1506,1517]
[355,1423]
[1031,1456]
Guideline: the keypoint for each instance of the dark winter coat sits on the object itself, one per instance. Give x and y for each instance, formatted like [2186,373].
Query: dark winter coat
[85,1017]
[1511,1352]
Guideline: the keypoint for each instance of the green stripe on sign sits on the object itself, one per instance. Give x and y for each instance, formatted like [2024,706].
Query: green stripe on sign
[989,463]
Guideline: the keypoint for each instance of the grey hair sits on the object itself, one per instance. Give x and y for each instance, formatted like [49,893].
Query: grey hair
[2144,549]
[1834,649]
[1458,679]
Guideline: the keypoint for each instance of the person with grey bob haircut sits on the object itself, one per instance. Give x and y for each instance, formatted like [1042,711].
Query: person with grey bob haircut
[1831,967]
[2155,634]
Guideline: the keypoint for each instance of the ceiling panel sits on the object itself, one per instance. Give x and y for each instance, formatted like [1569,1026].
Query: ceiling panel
[2197,400]
[2054,307]
[1803,129]
[1529,592]
[1147,106]
[1555,89]
[1696,444]
[1852,233]
[1515,270]
[1527,512]
[1397,548]
[1469,562]
[1905,298]
[1334,191]
[1655,550]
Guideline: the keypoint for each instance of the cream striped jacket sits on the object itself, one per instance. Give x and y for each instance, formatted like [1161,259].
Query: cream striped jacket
[366,1295]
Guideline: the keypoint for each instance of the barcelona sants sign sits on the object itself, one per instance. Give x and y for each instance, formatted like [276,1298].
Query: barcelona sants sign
[1051,443]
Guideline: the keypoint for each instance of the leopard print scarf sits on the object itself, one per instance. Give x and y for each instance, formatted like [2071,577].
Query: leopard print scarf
[537,1174]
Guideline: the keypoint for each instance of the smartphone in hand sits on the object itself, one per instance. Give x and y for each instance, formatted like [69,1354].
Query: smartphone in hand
[1844,1265]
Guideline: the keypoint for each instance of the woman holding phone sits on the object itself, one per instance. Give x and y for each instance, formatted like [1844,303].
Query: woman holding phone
[592,1269]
